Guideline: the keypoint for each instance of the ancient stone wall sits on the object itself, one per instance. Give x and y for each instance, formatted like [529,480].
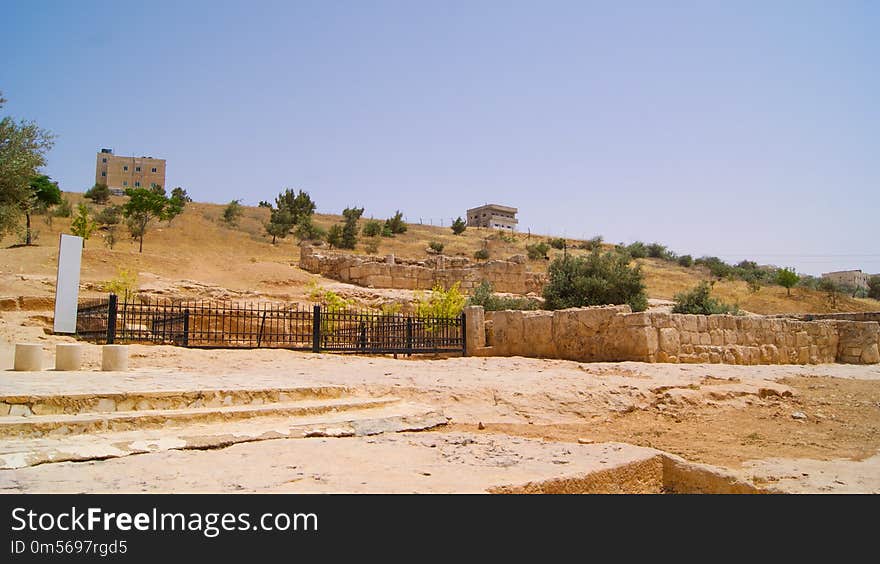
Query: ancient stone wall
[614,333]
[511,275]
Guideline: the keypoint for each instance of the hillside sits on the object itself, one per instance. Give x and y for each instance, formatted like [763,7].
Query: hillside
[198,246]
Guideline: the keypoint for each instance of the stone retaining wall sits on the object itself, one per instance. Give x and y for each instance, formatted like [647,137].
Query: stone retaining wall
[614,333]
[511,275]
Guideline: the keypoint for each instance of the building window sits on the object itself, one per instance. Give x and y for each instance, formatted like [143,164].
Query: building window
[152,184]
[125,168]
[137,183]
[125,182]
[103,173]
[104,160]
[154,169]
[137,169]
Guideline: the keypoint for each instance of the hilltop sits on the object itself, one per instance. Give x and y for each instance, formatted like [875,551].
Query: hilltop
[199,247]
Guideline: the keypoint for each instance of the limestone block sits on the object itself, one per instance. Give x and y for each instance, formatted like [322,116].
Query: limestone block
[668,340]
[804,355]
[68,356]
[870,354]
[29,357]
[114,358]
[637,320]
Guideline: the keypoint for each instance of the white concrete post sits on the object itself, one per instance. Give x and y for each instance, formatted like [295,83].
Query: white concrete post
[28,357]
[114,358]
[68,356]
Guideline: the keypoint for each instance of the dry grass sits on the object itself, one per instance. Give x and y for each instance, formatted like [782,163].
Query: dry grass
[197,245]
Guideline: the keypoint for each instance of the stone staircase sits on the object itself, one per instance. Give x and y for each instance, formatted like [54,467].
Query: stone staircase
[38,429]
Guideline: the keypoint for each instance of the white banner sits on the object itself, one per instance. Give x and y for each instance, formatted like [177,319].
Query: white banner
[67,283]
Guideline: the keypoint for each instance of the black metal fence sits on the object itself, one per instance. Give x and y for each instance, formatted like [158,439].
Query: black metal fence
[317,328]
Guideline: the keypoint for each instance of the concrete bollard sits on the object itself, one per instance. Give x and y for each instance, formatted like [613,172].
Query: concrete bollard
[114,358]
[28,357]
[68,356]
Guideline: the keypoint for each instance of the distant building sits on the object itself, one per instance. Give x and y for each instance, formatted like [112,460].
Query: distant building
[852,278]
[492,216]
[119,173]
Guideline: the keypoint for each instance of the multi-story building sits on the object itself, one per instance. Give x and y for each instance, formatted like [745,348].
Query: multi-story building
[493,216]
[119,173]
[852,278]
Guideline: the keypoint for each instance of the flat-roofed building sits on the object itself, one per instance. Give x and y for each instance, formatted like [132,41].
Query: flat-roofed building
[851,278]
[119,172]
[493,216]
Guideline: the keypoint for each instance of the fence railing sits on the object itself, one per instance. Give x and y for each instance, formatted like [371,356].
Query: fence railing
[201,324]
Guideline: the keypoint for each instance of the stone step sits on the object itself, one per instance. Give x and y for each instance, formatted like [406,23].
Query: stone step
[17,426]
[108,402]
[51,448]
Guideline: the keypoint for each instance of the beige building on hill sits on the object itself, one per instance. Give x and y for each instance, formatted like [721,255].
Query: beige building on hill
[493,216]
[852,278]
[119,173]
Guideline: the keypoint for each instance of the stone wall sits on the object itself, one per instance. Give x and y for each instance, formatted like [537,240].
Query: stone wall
[511,275]
[614,333]
[853,316]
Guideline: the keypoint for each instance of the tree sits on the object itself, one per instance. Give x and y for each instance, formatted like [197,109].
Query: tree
[181,195]
[109,215]
[82,225]
[395,224]
[175,206]
[831,289]
[232,212]
[299,205]
[700,302]
[280,224]
[458,226]
[787,278]
[537,251]
[142,206]
[874,287]
[686,261]
[372,228]
[99,193]
[350,229]
[595,279]
[23,148]
[334,236]
[43,194]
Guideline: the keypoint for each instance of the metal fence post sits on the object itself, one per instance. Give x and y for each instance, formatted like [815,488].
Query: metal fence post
[409,336]
[186,328]
[463,334]
[316,328]
[112,308]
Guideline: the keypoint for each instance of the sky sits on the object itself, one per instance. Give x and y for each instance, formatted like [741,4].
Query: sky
[740,129]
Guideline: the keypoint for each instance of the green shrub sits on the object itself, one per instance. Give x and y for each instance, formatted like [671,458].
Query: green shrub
[458,226]
[436,246]
[538,251]
[656,250]
[64,209]
[372,245]
[686,261]
[232,212]
[787,278]
[123,285]
[716,266]
[111,215]
[699,301]
[483,296]
[82,225]
[592,244]
[874,287]
[637,250]
[396,224]
[307,231]
[557,243]
[482,254]
[372,228]
[334,235]
[596,279]
[441,302]
[99,193]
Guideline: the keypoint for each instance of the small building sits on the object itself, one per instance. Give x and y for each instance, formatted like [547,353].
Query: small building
[119,172]
[851,278]
[493,216]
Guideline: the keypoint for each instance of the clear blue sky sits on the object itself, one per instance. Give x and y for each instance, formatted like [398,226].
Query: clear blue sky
[740,129]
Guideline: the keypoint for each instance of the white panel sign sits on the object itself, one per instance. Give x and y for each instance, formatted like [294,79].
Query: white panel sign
[67,283]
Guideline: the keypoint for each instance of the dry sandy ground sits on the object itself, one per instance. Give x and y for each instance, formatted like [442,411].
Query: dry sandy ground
[731,416]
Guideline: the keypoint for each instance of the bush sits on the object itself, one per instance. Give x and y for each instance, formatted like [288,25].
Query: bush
[596,279]
[686,261]
[124,285]
[592,244]
[699,301]
[458,226]
[232,212]
[483,296]
[874,287]
[99,193]
[637,250]
[372,245]
[537,251]
[111,215]
[372,228]
[334,235]
[716,266]
[441,302]
[656,250]
[436,246]
[396,224]
[482,254]
[557,243]
[308,231]
[82,225]
[64,209]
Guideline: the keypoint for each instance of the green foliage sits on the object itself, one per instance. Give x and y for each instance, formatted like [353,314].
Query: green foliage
[99,193]
[557,243]
[716,266]
[592,244]
[372,228]
[538,251]
[395,224]
[637,250]
[142,206]
[482,254]
[787,278]
[264,204]
[699,301]
[123,285]
[111,215]
[280,223]
[308,231]
[23,148]
[874,287]
[334,236]
[686,261]
[157,189]
[64,209]
[110,237]
[299,205]
[372,245]
[503,236]
[831,289]
[656,250]
[174,207]
[331,302]
[441,302]
[232,213]
[458,226]
[349,236]
[82,225]
[181,195]
[42,194]
[483,296]
[596,279]
[436,246]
